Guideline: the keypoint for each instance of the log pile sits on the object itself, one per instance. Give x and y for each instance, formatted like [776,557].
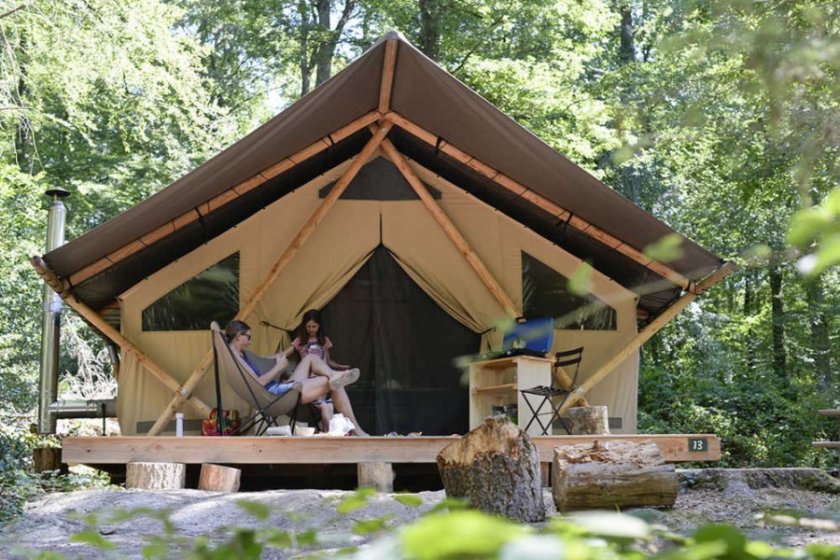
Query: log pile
[496,468]
[610,475]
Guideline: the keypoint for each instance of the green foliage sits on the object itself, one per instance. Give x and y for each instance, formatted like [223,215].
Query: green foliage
[459,533]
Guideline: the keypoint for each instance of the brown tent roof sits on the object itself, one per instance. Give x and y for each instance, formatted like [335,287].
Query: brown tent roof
[98,265]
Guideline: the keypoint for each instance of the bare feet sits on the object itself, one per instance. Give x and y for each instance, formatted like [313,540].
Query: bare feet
[359,432]
[343,378]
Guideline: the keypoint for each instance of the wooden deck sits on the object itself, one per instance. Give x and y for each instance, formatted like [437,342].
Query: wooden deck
[675,448]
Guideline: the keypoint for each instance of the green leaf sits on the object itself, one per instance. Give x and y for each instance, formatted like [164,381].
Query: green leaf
[412,500]
[732,538]
[608,524]
[806,225]
[255,509]
[460,534]
[368,526]
[666,249]
[356,500]
[279,539]
[92,538]
[580,282]
[828,254]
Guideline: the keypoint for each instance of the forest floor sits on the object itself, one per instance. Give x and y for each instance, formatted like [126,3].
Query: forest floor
[733,496]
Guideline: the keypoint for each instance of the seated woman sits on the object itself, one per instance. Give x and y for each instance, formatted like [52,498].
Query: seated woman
[324,380]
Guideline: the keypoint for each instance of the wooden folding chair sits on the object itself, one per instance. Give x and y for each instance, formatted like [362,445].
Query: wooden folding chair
[560,387]
[237,374]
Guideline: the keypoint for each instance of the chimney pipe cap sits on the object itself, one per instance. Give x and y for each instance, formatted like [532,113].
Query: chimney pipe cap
[57,193]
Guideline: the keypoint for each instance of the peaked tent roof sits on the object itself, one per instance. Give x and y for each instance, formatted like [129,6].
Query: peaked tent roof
[440,123]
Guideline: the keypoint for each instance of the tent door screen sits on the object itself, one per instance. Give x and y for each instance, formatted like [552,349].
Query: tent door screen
[405,345]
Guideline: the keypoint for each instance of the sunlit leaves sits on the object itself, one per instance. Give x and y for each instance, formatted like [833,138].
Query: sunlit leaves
[666,249]
[465,534]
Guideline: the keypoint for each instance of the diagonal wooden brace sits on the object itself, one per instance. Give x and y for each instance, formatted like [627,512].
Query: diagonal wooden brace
[450,230]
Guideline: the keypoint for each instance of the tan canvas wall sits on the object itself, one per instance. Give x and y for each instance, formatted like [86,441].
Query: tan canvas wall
[336,250]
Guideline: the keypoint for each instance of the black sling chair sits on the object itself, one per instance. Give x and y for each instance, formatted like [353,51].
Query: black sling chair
[561,360]
[267,406]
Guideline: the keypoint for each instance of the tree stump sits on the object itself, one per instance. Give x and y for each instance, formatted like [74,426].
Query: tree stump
[46,459]
[496,468]
[377,475]
[613,474]
[217,478]
[589,420]
[155,476]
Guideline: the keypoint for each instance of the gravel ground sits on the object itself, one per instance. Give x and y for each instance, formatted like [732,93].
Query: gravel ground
[708,495]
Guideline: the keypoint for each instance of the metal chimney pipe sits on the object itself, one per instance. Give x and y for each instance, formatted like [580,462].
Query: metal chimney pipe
[50,330]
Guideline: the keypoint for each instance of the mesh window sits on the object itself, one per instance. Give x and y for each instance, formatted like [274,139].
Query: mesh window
[211,295]
[545,293]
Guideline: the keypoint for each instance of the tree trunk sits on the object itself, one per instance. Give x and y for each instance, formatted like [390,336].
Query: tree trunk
[615,474]
[627,47]
[496,468]
[304,65]
[589,420]
[778,318]
[430,28]
[749,302]
[155,476]
[819,319]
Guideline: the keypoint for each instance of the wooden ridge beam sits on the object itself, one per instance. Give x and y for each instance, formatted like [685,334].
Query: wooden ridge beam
[645,334]
[450,230]
[386,85]
[220,200]
[552,208]
[115,336]
[305,232]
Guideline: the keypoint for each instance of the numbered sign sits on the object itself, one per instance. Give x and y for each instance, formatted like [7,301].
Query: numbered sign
[698,445]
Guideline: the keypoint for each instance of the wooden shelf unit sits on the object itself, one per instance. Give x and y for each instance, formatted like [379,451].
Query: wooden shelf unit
[498,381]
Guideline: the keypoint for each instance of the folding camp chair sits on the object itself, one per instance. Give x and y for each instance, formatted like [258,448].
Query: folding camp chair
[560,387]
[267,406]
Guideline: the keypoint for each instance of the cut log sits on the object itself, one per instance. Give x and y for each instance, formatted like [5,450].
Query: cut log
[46,459]
[217,478]
[496,468]
[613,474]
[589,420]
[155,476]
[376,475]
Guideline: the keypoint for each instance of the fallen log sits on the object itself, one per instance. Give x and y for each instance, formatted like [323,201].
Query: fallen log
[496,468]
[610,475]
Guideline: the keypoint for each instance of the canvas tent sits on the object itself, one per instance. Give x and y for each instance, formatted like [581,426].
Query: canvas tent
[410,209]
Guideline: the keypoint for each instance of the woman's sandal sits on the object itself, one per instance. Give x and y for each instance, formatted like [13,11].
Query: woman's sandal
[344,378]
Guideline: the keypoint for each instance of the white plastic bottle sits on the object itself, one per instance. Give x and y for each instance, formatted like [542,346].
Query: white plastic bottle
[179,424]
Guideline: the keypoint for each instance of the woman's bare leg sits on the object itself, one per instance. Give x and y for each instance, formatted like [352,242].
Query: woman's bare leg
[313,388]
[311,364]
[342,405]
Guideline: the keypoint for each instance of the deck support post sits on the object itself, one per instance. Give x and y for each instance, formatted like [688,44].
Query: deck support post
[376,475]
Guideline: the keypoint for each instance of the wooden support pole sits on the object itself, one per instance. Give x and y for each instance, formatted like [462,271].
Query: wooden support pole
[305,232]
[646,333]
[234,192]
[218,478]
[155,476]
[450,230]
[556,210]
[387,82]
[376,475]
[114,335]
